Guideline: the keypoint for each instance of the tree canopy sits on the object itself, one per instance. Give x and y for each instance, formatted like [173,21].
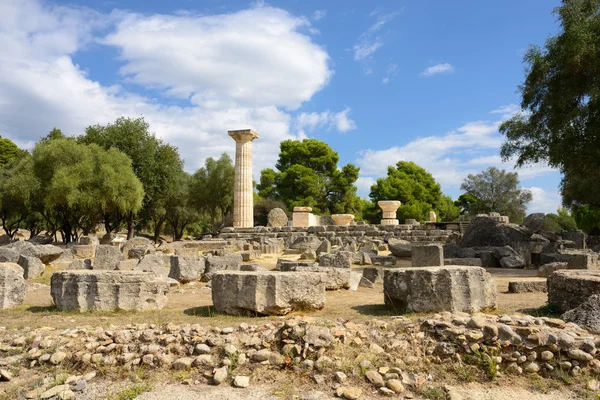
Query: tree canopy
[498,191]
[416,189]
[156,164]
[9,151]
[213,187]
[307,175]
[560,124]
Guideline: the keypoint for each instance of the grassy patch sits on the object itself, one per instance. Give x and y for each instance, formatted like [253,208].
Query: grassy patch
[131,392]
[433,393]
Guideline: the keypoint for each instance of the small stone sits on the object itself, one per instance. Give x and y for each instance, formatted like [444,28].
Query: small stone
[183,363]
[375,348]
[261,355]
[89,376]
[593,385]
[5,375]
[365,364]
[81,385]
[319,379]
[385,391]
[375,378]
[55,391]
[532,367]
[241,381]
[579,355]
[340,377]
[202,349]
[66,395]
[227,331]
[58,357]
[220,375]
[395,385]
[547,355]
[349,392]
[513,368]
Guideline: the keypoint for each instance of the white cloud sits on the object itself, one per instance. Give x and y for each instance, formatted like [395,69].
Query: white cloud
[222,60]
[438,69]
[319,14]
[390,73]
[233,78]
[308,122]
[449,157]
[543,201]
[364,185]
[371,40]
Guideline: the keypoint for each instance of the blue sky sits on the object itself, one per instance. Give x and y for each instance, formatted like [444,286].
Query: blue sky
[382,81]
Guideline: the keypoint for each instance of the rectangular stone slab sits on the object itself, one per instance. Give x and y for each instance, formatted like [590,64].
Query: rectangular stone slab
[568,289]
[266,292]
[435,289]
[85,290]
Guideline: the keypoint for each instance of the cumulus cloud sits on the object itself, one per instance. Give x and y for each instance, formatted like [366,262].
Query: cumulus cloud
[372,39]
[450,157]
[319,14]
[438,69]
[227,73]
[543,201]
[308,122]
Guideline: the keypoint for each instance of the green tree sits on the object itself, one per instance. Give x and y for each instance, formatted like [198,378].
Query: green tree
[560,97]
[79,183]
[212,187]
[154,162]
[415,188]
[561,221]
[179,210]
[307,175]
[587,217]
[18,187]
[53,135]
[498,191]
[9,151]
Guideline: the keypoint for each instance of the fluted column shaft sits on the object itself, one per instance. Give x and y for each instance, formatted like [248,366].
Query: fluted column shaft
[243,196]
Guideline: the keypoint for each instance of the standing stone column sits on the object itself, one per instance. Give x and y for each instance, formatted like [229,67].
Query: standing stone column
[243,200]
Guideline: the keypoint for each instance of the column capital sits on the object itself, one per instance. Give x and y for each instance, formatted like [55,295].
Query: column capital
[243,135]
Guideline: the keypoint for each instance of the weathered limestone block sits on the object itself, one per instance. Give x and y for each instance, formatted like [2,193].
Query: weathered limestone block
[107,257]
[80,263]
[32,266]
[83,251]
[340,259]
[586,315]
[285,265]
[399,247]
[578,237]
[547,269]
[138,252]
[471,262]
[42,239]
[387,261]
[584,261]
[324,247]
[568,289]
[527,287]
[134,242]
[306,242]
[277,217]
[534,222]
[187,269]
[85,290]
[159,264]
[334,278]
[373,275]
[46,253]
[250,255]
[8,255]
[427,255]
[270,293]
[512,262]
[13,287]
[230,262]
[434,289]
[89,240]
[128,265]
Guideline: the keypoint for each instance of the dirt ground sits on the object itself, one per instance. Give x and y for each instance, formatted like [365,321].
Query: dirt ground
[192,303]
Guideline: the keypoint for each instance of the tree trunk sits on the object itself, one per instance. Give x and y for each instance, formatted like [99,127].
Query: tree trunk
[107,227]
[130,226]
[158,228]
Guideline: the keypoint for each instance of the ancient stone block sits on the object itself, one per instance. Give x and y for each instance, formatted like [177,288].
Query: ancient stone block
[534,222]
[427,255]
[85,290]
[527,287]
[584,261]
[230,262]
[32,266]
[547,269]
[83,251]
[107,257]
[46,253]
[128,265]
[159,264]
[387,261]
[471,262]
[434,289]
[80,263]
[512,262]
[586,315]
[342,219]
[568,289]
[334,278]
[13,287]
[578,237]
[187,269]
[277,217]
[89,240]
[136,242]
[399,247]
[8,255]
[373,275]
[270,293]
[340,259]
